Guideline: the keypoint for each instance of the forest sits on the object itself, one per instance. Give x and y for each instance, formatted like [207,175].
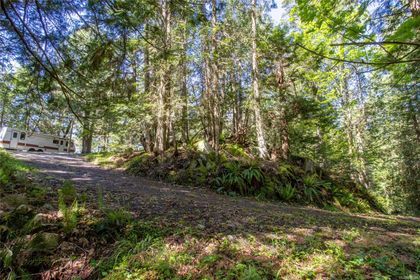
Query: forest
[310,103]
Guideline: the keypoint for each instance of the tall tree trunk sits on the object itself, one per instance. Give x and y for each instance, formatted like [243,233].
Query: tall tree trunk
[414,120]
[148,126]
[3,108]
[415,7]
[356,143]
[262,149]
[164,86]
[214,98]
[184,90]
[284,134]
[160,124]
[87,134]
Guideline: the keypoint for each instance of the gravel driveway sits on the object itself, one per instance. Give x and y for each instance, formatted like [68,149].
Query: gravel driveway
[198,207]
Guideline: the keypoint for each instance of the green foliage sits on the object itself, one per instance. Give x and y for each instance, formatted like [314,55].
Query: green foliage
[231,178]
[338,83]
[245,271]
[102,159]
[43,242]
[286,171]
[139,164]
[128,248]
[11,170]
[311,181]
[113,223]
[311,193]
[38,194]
[70,215]
[286,192]
[236,150]
[68,206]
[237,177]
[253,176]
[228,175]
[18,217]
[67,192]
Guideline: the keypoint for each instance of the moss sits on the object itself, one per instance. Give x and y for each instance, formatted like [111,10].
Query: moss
[234,172]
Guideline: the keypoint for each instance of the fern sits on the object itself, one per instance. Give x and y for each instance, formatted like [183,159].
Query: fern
[311,181]
[286,192]
[68,192]
[252,174]
[286,171]
[311,193]
[70,214]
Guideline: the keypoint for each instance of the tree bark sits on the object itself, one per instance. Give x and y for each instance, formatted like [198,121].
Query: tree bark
[184,90]
[262,149]
[3,108]
[284,134]
[415,7]
[164,86]
[214,97]
[414,120]
[87,134]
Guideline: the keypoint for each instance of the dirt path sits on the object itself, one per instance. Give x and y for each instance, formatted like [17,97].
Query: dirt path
[201,208]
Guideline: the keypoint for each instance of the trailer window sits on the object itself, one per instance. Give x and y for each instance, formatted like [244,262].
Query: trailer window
[22,136]
[15,134]
[61,142]
[55,141]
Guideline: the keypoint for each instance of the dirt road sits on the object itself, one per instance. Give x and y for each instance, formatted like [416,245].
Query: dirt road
[201,208]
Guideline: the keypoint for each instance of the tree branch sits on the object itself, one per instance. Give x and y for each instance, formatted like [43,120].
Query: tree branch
[376,43]
[357,61]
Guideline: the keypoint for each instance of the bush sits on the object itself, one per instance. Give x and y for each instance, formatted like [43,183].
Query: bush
[232,171]
[286,192]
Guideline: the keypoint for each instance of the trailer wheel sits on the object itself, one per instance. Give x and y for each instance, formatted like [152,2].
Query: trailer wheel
[31,150]
[39,150]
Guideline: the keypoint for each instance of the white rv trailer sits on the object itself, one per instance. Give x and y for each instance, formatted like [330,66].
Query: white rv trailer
[16,139]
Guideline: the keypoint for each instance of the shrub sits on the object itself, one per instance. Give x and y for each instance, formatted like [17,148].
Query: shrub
[311,181]
[286,171]
[232,172]
[236,150]
[286,192]
[311,193]
[253,176]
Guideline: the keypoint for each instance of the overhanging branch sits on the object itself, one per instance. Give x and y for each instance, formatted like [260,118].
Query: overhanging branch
[378,63]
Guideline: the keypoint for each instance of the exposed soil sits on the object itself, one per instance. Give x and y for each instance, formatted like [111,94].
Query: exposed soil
[201,208]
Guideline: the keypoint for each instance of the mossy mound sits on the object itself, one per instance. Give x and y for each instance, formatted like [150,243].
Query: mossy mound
[233,171]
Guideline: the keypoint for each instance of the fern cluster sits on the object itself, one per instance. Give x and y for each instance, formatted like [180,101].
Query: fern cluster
[233,172]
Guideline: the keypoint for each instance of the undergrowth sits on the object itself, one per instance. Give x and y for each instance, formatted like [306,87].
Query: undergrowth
[233,172]
[65,234]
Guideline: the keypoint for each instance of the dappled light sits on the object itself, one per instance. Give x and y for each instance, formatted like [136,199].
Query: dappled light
[126,227]
[209,139]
